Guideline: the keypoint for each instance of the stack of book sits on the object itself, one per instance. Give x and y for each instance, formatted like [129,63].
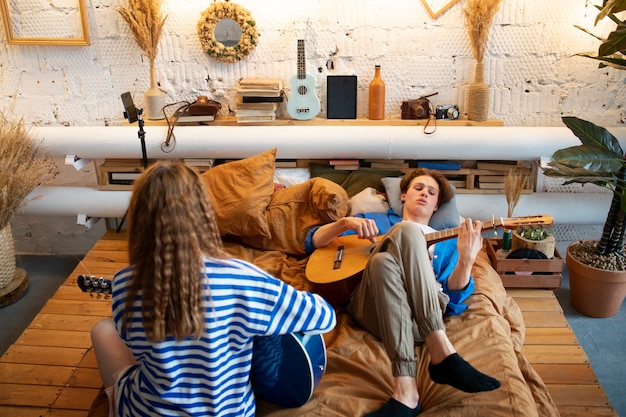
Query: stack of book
[258,99]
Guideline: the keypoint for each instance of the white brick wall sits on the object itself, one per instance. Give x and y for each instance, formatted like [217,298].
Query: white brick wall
[529,63]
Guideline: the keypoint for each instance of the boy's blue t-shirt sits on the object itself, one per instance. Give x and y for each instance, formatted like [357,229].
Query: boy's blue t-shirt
[444,261]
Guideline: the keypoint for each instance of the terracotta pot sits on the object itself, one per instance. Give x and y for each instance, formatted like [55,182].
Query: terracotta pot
[595,292]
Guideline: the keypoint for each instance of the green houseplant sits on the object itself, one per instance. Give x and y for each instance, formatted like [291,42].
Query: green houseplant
[597,269]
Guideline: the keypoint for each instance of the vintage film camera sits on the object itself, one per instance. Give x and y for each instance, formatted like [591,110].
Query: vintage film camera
[417,109]
[447,112]
[204,107]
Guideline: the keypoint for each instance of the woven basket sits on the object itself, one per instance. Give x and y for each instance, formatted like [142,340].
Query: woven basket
[7,256]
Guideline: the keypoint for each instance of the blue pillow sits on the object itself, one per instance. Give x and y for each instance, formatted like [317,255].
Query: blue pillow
[446,217]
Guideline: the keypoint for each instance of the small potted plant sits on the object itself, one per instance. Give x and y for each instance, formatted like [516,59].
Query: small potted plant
[534,237]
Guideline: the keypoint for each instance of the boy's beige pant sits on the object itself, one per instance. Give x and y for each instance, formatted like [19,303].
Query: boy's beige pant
[399,300]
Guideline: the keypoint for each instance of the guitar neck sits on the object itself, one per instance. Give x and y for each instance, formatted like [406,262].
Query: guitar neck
[440,235]
[301,64]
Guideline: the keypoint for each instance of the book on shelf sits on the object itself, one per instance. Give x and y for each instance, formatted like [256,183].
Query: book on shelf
[255,119]
[257,99]
[254,112]
[259,105]
[187,118]
[440,165]
[261,87]
[260,82]
[259,93]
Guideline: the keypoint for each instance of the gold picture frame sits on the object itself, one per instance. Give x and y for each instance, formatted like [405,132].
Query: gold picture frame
[67,27]
[435,8]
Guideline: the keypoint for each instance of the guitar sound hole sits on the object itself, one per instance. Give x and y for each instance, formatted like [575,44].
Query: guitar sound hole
[302,90]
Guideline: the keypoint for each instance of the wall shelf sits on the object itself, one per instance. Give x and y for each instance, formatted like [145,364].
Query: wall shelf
[320,121]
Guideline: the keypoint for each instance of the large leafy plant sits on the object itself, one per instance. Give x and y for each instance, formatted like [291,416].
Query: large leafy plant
[612,50]
[599,159]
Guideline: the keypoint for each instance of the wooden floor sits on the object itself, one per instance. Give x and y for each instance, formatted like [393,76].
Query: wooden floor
[51,369]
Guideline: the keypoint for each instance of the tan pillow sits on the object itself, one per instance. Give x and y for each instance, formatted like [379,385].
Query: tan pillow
[240,192]
[294,210]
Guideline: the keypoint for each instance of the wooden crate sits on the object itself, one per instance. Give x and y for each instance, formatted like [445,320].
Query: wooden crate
[526,273]
[120,174]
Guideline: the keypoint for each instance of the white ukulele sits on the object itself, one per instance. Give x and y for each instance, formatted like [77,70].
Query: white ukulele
[303,103]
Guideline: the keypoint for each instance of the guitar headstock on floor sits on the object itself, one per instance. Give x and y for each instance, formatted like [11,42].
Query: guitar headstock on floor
[94,285]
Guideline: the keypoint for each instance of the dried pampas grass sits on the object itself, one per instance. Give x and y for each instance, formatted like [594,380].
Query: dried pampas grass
[21,170]
[146,21]
[479,15]
[514,183]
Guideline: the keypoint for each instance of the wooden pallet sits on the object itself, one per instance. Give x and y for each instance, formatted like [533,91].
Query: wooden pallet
[51,369]
[119,174]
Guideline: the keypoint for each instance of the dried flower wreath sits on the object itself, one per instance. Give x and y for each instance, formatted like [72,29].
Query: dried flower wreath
[206,31]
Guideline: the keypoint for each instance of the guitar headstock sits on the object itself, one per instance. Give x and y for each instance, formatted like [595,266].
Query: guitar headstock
[94,285]
[533,220]
[301,26]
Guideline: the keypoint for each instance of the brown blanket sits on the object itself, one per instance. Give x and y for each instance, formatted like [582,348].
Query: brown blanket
[489,334]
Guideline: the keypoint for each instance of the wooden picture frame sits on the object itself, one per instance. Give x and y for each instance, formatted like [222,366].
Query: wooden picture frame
[435,8]
[67,27]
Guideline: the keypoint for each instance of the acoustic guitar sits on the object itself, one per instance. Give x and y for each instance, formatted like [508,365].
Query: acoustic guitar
[285,368]
[336,269]
[303,104]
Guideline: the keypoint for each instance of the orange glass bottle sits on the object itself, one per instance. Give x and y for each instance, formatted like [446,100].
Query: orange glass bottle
[376,103]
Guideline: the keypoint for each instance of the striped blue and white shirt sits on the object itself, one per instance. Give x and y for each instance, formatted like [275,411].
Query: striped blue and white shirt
[210,376]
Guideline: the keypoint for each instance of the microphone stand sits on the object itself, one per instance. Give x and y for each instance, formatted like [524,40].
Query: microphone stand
[144,154]
[142,137]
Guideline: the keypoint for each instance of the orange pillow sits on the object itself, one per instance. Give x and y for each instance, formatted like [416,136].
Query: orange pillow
[240,192]
[294,210]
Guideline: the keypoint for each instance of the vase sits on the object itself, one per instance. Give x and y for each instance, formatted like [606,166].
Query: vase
[7,257]
[154,98]
[478,96]
[376,97]
[595,292]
